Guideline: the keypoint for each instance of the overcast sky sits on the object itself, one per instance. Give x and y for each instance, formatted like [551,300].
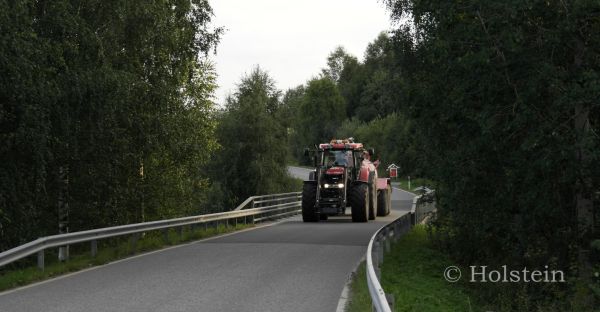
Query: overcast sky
[290,39]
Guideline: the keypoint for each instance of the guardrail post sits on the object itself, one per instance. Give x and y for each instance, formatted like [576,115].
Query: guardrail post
[379,254]
[94,246]
[391,300]
[133,242]
[375,255]
[166,236]
[63,253]
[387,240]
[180,232]
[40,260]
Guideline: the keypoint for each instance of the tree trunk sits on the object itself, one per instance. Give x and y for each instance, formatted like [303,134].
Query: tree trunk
[63,209]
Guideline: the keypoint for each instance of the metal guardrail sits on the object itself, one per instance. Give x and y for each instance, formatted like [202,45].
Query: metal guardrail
[380,243]
[263,200]
[271,206]
[423,205]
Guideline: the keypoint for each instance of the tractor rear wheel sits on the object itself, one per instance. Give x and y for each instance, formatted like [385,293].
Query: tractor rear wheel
[359,201]
[384,202]
[309,199]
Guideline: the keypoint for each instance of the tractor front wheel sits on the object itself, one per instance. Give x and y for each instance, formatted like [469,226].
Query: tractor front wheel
[309,199]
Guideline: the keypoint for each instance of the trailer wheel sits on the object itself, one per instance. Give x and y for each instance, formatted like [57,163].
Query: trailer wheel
[372,196]
[384,202]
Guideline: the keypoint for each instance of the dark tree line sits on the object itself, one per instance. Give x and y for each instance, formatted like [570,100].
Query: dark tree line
[506,96]
[105,113]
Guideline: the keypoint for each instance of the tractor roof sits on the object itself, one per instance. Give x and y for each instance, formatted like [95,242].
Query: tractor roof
[347,144]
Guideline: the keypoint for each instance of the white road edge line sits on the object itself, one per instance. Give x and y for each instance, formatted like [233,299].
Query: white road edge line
[10,291]
[345,296]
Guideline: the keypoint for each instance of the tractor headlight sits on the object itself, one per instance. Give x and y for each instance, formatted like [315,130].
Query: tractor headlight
[339,185]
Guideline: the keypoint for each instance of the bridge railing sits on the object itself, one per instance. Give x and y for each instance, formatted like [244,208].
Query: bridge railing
[422,207]
[261,208]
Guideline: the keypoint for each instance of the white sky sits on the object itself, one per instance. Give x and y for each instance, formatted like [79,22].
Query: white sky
[290,39]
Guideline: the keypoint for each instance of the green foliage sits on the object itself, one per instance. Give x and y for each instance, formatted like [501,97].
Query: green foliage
[254,151]
[372,89]
[381,93]
[506,95]
[360,299]
[337,62]
[393,137]
[372,93]
[413,273]
[321,112]
[288,115]
[113,94]
[351,83]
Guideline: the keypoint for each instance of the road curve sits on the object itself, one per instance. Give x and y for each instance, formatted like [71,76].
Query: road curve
[285,266]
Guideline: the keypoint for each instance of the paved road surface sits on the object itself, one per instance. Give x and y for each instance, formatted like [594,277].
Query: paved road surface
[287,266]
[298,172]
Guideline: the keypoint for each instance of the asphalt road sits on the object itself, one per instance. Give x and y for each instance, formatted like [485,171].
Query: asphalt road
[298,172]
[284,266]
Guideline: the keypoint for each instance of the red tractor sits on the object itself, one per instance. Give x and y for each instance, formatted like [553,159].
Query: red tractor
[344,176]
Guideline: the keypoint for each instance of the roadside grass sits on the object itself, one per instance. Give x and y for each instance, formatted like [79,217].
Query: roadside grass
[413,273]
[108,250]
[296,185]
[360,299]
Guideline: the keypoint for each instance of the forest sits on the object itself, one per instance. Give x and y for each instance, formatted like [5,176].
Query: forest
[108,117]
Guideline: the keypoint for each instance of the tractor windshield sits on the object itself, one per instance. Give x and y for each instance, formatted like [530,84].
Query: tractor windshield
[337,158]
